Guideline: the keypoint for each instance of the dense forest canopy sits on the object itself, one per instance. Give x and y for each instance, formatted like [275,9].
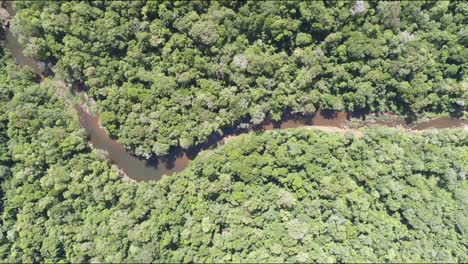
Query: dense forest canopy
[171,73]
[292,195]
[167,74]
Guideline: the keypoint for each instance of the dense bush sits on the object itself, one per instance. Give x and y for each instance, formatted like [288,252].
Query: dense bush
[170,73]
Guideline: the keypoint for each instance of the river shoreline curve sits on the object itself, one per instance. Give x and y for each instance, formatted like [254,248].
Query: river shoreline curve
[135,168]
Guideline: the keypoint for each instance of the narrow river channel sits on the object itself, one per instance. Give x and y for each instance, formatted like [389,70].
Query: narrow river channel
[140,169]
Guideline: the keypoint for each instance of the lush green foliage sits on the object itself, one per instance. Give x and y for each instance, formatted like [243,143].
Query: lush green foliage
[170,73]
[50,179]
[303,195]
[294,195]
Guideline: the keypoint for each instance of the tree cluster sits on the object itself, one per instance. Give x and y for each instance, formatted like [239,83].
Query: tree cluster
[308,196]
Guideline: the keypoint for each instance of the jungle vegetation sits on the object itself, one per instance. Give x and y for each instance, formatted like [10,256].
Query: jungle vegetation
[295,195]
[169,74]
[298,195]
[290,195]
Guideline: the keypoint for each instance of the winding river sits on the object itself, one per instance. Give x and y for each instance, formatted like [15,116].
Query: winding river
[140,169]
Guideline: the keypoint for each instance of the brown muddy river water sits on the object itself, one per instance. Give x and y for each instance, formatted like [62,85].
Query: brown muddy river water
[15,48]
[441,122]
[140,169]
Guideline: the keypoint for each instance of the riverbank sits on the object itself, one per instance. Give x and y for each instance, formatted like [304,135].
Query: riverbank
[356,132]
[153,168]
